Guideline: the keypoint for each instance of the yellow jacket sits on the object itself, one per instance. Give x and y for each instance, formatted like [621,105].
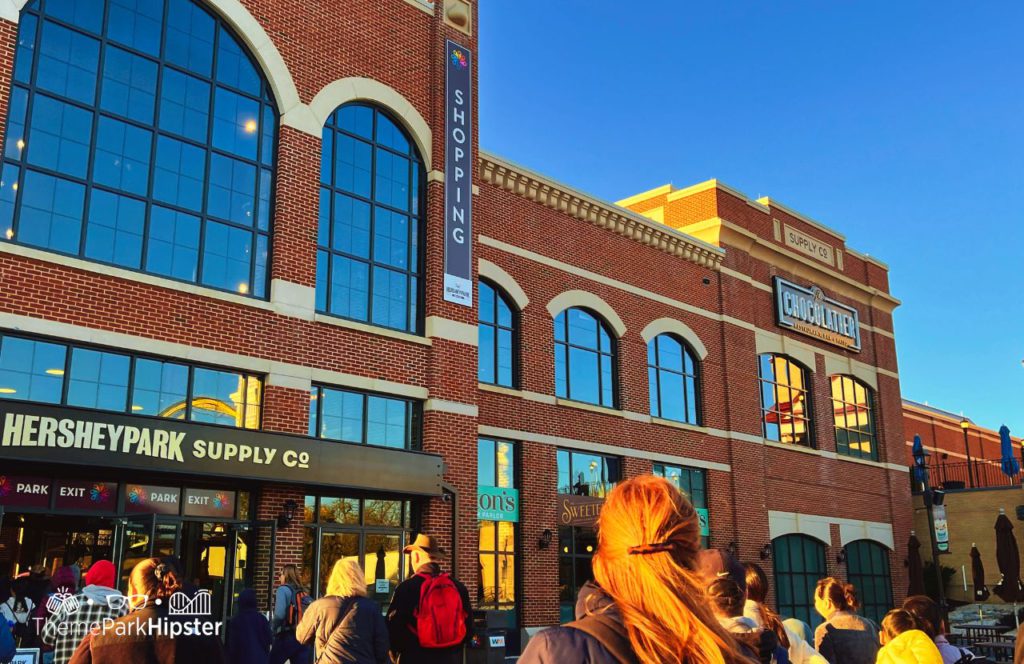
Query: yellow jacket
[910,647]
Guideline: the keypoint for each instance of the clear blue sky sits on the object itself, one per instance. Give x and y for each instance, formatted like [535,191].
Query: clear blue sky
[901,124]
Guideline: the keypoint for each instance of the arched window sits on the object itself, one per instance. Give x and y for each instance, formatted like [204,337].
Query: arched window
[141,135]
[584,358]
[368,259]
[855,418]
[497,332]
[785,400]
[799,562]
[672,379]
[867,568]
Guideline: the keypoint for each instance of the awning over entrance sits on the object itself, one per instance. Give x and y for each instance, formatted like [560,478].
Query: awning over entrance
[36,432]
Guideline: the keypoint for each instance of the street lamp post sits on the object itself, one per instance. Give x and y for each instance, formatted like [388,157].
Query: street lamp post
[965,424]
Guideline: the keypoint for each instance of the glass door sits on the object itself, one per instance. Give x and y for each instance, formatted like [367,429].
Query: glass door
[252,559]
[141,537]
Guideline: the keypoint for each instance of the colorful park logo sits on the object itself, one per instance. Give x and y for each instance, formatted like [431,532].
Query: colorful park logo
[5,486]
[136,495]
[459,58]
[221,502]
[99,493]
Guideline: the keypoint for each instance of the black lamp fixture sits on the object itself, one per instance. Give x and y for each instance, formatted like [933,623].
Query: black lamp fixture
[841,556]
[545,539]
[766,552]
[286,517]
[733,549]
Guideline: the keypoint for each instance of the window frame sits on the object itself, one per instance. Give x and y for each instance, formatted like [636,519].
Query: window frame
[692,475]
[419,215]
[843,381]
[495,551]
[70,345]
[501,297]
[695,379]
[807,573]
[413,417]
[265,101]
[808,398]
[612,354]
[871,606]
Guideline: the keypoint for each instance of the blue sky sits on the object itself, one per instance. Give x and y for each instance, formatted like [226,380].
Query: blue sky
[897,123]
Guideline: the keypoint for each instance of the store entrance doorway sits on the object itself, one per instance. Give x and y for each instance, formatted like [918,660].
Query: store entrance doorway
[52,541]
[216,556]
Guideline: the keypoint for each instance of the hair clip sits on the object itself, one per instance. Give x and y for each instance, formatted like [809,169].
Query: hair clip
[653,547]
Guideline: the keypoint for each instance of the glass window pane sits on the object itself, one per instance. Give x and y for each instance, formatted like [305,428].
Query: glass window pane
[505,464]
[51,212]
[234,67]
[391,186]
[670,353]
[98,380]
[673,406]
[350,288]
[339,510]
[68,62]
[236,122]
[382,513]
[219,397]
[227,254]
[356,119]
[352,159]
[505,351]
[335,547]
[83,14]
[136,23]
[232,190]
[343,415]
[390,135]
[189,41]
[321,280]
[59,138]
[25,50]
[351,226]
[485,464]
[180,173]
[114,229]
[487,372]
[561,372]
[504,312]
[391,239]
[582,329]
[560,327]
[173,248]
[185,105]
[159,388]
[485,304]
[390,298]
[129,85]
[387,422]
[14,143]
[31,370]
[562,461]
[122,156]
[583,375]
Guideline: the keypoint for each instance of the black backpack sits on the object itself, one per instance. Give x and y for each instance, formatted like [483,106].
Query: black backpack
[609,633]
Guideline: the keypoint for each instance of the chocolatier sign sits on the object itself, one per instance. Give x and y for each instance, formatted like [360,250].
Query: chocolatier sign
[37,432]
[579,510]
[809,312]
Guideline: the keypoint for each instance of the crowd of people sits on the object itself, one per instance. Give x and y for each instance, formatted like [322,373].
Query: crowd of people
[657,597]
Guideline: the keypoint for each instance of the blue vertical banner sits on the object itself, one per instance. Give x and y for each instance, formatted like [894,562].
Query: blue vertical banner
[458,176]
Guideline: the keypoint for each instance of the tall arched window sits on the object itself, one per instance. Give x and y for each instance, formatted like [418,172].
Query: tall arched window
[584,358]
[140,134]
[799,562]
[497,333]
[368,260]
[785,400]
[855,418]
[867,568]
[672,379]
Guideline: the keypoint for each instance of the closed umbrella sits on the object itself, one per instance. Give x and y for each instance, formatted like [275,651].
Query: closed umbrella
[1008,559]
[1009,464]
[978,576]
[915,568]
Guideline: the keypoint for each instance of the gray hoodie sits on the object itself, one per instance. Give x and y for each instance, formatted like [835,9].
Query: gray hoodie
[79,613]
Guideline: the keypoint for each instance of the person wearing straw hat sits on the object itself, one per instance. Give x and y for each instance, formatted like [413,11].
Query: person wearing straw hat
[429,620]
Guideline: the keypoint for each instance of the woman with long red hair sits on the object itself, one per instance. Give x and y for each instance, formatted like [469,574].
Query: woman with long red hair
[647,604]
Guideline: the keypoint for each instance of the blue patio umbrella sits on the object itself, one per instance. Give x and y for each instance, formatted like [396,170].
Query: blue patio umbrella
[1010,465]
[920,471]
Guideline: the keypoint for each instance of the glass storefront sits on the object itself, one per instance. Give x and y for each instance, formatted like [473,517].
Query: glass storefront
[371,530]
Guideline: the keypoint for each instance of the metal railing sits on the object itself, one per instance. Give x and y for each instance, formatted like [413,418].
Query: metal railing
[976,474]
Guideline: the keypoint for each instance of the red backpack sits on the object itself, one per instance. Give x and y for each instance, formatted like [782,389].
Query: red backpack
[440,616]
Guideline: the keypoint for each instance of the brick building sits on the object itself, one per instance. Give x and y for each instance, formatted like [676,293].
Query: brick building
[223,330]
[961,453]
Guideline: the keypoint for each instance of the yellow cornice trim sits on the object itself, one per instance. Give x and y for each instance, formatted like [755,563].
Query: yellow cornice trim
[644,195]
[540,189]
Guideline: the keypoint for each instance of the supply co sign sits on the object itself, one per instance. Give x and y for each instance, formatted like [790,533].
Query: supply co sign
[458,176]
[809,312]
